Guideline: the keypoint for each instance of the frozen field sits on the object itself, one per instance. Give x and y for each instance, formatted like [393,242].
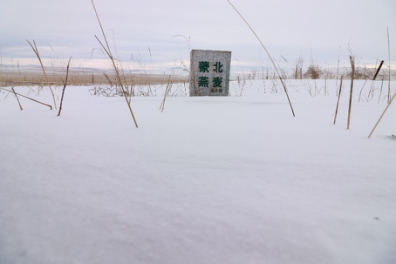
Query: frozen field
[210,180]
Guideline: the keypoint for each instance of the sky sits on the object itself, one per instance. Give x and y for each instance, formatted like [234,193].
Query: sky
[157,34]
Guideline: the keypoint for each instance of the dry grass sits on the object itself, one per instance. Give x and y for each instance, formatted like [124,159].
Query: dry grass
[78,77]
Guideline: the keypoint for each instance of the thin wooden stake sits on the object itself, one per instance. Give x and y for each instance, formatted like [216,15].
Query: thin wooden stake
[379,68]
[379,120]
[64,87]
[350,97]
[20,106]
[338,101]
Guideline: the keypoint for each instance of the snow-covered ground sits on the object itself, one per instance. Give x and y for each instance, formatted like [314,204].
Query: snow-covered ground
[210,180]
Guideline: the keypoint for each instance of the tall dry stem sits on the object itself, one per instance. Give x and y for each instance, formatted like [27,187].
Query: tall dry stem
[338,101]
[16,96]
[35,50]
[162,106]
[379,120]
[280,77]
[64,87]
[382,85]
[338,66]
[108,52]
[361,90]
[352,59]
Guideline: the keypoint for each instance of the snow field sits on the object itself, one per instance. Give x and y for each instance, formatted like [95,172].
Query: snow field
[209,180]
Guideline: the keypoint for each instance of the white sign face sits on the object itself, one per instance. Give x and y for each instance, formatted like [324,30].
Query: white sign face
[210,72]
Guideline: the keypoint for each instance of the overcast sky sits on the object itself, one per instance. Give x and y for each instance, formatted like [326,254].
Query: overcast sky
[288,28]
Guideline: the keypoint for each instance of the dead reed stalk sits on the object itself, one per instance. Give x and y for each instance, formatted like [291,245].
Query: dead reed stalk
[16,96]
[35,50]
[50,106]
[379,120]
[338,101]
[280,78]
[361,90]
[108,52]
[352,59]
[338,65]
[382,85]
[64,87]
[162,106]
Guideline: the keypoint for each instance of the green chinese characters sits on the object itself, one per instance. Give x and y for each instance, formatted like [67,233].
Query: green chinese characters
[203,81]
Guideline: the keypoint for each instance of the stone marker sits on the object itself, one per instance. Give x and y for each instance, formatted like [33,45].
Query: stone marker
[210,72]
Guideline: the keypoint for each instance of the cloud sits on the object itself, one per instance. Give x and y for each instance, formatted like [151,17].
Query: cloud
[288,28]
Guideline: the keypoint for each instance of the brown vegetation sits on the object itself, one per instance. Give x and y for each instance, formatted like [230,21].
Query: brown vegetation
[313,72]
[78,77]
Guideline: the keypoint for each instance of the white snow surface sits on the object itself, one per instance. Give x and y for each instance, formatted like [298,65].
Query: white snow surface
[210,180]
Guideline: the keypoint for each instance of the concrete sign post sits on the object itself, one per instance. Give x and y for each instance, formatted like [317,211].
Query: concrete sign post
[210,72]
